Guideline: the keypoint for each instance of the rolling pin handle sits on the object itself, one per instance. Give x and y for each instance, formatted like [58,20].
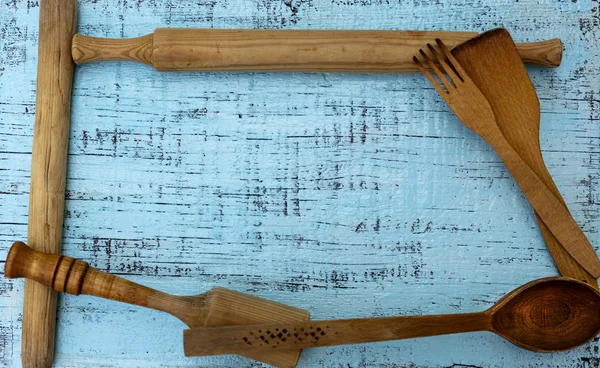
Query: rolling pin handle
[87,49]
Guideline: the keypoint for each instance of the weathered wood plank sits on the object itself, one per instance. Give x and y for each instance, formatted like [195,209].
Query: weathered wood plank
[347,195]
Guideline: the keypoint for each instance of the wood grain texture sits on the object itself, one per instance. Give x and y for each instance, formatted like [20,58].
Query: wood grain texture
[346,195]
[57,20]
[350,51]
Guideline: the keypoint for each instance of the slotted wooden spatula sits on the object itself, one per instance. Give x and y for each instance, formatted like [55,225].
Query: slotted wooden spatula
[493,63]
[217,307]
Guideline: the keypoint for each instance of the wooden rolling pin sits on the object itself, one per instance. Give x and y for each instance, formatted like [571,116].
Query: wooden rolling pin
[169,50]
[58,20]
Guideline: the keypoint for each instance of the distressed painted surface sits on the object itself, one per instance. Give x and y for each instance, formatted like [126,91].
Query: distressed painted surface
[347,195]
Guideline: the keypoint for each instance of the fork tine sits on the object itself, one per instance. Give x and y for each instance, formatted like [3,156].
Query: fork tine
[437,71]
[449,69]
[462,74]
[430,77]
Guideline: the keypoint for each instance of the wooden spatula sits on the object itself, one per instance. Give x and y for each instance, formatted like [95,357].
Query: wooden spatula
[217,307]
[492,62]
[474,111]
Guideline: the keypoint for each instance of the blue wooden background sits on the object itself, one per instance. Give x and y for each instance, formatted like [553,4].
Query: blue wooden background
[346,195]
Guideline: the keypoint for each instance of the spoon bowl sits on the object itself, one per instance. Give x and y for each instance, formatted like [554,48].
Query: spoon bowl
[547,315]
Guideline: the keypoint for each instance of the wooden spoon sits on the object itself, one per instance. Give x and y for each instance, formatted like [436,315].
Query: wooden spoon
[546,315]
[217,307]
[493,63]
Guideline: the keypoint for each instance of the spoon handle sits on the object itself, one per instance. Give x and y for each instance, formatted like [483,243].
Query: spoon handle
[236,339]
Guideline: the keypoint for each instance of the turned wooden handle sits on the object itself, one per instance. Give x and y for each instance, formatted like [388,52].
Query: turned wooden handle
[285,50]
[60,273]
[68,275]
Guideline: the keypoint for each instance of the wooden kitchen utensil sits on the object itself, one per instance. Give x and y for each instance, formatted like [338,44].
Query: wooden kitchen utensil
[57,24]
[546,315]
[493,63]
[472,108]
[284,50]
[217,307]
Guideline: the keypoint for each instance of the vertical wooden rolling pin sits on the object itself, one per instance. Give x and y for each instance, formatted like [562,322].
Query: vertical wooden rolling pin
[58,20]
[285,50]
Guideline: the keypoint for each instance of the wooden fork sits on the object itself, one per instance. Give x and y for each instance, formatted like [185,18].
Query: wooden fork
[473,109]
